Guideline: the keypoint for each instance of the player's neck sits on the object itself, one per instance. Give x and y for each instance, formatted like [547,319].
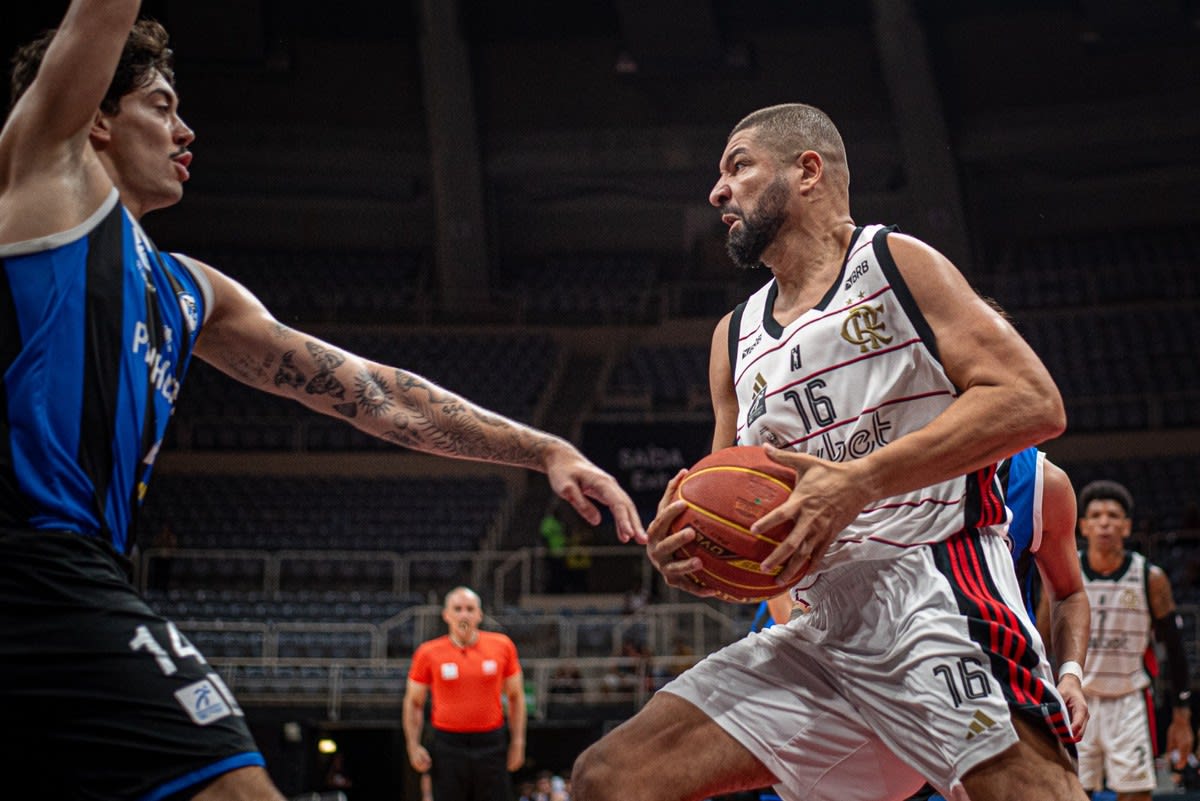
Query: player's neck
[1105,562]
[808,265]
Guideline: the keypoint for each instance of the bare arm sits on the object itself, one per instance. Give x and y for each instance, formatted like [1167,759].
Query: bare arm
[514,690]
[45,160]
[1007,402]
[243,340]
[1058,562]
[412,718]
[1063,593]
[720,386]
[1180,738]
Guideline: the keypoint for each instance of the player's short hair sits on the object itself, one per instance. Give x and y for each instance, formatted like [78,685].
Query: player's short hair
[791,128]
[145,54]
[1105,490]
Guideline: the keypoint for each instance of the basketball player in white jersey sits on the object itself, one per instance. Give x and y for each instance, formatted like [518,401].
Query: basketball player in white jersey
[893,389]
[1131,599]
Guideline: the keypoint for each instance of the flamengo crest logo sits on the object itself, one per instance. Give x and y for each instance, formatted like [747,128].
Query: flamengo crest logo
[864,327]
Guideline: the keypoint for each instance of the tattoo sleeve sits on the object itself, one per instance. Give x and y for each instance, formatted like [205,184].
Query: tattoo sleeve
[425,417]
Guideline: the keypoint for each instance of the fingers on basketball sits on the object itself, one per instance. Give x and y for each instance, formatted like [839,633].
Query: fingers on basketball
[726,493]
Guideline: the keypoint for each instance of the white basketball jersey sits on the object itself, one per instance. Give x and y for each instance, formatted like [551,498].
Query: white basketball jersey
[857,371]
[1121,620]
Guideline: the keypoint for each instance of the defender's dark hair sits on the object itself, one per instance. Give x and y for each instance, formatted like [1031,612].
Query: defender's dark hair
[1106,491]
[145,54]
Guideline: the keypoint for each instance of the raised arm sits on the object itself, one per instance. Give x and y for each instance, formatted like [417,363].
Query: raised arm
[1065,599]
[1007,402]
[77,68]
[243,340]
[45,160]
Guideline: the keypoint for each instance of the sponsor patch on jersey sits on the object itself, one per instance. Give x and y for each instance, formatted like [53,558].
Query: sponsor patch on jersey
[490,667]
[746,351]
[758,404]
[449,671]
[191,311]
[203,702]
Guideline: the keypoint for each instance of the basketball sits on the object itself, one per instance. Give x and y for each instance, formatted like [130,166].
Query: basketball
[726,492]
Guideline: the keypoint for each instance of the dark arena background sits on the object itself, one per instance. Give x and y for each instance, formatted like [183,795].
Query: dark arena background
[510,197]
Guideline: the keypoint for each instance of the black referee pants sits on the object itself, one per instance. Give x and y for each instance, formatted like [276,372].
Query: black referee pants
[470,766]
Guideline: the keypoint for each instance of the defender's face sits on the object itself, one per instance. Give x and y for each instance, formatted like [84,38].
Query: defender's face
[146,147]
[752,195]
[1104,525]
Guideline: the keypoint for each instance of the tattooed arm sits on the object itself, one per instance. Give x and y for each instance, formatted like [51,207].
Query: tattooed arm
[243,340]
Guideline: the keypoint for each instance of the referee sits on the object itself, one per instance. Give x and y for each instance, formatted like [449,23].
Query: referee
[465,673]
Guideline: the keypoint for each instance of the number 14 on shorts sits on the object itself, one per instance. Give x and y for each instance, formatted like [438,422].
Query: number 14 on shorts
[206,700]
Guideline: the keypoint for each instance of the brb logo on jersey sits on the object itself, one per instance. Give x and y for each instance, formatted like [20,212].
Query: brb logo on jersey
[864,327]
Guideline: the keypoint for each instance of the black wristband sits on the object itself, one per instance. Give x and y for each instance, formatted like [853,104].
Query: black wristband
[1184,699]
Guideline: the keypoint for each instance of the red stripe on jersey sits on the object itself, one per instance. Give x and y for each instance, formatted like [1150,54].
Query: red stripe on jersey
[991,505]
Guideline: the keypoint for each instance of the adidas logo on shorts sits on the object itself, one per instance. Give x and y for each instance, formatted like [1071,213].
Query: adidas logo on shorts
[979,724]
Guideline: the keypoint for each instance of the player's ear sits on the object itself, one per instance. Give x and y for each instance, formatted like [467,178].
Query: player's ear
[811,166]
[101,131]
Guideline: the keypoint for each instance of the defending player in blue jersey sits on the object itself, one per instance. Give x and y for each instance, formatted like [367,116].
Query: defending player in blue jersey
[102,697]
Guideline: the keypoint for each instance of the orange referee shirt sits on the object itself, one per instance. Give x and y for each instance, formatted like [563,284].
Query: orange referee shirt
[466,683]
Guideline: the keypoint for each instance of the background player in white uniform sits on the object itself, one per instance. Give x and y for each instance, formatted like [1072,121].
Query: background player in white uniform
[1130,598]
[896,390]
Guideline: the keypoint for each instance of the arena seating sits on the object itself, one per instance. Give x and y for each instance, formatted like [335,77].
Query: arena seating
[324,513]
[310,286]
[584,289]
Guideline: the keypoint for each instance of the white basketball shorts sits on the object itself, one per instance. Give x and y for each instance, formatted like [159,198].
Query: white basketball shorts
[898,671]
[1116,744]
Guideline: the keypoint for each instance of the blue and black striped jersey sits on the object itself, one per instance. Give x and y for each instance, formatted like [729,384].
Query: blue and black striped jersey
[96,332]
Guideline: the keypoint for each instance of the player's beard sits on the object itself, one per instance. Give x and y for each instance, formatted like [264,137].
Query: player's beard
[746,245]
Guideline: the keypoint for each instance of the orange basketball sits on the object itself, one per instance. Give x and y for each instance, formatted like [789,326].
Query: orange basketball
[727,491]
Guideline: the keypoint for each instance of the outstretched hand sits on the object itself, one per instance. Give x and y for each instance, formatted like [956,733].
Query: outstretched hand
[576,480]
[828,496]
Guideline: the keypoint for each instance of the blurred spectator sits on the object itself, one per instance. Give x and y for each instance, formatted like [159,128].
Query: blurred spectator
[554,532]
[579,560]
